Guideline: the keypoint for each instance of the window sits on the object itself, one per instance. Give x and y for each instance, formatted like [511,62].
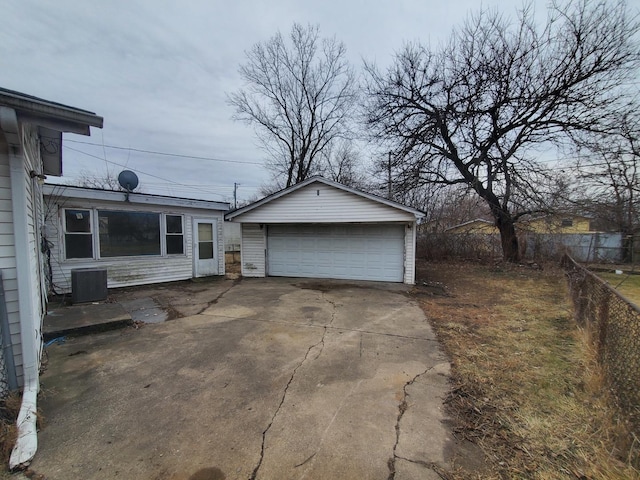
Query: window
[90,233]
[128,233]
[78,238]
[174,235]
[567,222]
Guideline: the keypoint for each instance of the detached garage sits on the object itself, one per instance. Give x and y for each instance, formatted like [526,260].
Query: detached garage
[323,229]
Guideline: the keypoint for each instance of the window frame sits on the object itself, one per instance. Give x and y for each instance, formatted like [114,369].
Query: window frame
[182,234]
[94,226]
[566,222]
[90,233]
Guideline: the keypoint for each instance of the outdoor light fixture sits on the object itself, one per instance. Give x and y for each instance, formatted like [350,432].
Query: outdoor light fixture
[40,176]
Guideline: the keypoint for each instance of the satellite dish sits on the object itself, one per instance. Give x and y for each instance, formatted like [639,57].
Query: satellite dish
[128,180]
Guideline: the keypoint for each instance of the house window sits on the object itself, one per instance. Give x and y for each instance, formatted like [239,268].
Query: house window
[174,235]
[125,234]
[78,238]
[567,222]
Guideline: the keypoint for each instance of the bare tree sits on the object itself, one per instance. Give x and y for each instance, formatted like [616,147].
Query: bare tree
[104,181]
[299,96]
[609,174]
[341,162]
[107,180]
[479,110]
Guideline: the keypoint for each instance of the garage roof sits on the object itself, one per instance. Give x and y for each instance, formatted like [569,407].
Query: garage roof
[400,208]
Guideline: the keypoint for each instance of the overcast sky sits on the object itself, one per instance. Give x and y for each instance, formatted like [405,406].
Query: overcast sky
[158,73]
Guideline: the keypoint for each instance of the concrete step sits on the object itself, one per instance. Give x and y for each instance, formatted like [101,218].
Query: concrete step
[84,319]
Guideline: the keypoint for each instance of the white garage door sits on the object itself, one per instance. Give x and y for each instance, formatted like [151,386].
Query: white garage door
[357,252]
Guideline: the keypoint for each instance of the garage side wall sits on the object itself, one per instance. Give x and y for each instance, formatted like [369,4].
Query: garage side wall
[410,255]
[253,245]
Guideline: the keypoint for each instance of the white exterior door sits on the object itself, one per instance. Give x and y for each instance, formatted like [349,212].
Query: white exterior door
[205,247]
[357,252]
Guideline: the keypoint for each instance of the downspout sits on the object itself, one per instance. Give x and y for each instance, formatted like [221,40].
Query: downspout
[27,441]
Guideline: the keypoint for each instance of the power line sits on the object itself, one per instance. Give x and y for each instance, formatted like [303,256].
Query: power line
[167,154]
[145,173]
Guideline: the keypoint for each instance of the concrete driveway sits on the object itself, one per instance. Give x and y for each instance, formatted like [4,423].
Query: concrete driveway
[273,379]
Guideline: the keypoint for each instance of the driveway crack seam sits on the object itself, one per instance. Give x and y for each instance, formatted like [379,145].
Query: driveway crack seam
[430,465]
[327,326]
[254,474]
[402,408]
[215,300]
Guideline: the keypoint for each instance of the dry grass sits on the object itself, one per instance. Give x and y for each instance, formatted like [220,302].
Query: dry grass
[526,387]
[9,409]
[628,285]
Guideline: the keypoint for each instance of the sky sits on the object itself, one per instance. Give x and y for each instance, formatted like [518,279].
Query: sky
[159,72]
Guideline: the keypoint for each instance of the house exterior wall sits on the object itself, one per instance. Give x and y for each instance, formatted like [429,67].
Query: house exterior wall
[21,198]
[129,270]
[554,224]
[8,256]
[253,250]
[548,225]
[321,203]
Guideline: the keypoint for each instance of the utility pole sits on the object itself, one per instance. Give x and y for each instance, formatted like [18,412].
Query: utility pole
[235,195]
[389,177]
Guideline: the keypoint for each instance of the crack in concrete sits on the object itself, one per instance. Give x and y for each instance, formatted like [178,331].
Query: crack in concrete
[254,474]
[430,465]
[402,408]
[220,295]
[345,329]
[328,325]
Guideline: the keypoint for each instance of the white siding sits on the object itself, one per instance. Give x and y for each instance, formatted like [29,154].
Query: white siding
[410,254]
[8,257]
[252,251]
[321,203]
[20,323]
[126,271]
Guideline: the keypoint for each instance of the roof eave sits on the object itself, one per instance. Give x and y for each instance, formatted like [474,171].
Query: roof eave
[51,114]
[83,193]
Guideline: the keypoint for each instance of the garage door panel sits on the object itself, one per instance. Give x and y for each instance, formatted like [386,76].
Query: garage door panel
[362,252]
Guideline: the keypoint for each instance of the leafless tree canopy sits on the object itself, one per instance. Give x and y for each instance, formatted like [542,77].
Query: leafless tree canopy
[608,179]
[475,111]
[105,181]
[341,162]
[299,95]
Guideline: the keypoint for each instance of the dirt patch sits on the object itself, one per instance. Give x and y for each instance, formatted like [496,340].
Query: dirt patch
[526,388]
[326,286]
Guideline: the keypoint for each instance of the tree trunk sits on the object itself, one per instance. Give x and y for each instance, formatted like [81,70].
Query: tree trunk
[509,239]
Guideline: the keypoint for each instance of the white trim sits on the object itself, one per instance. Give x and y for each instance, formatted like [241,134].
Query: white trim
[66,191]
[297,186]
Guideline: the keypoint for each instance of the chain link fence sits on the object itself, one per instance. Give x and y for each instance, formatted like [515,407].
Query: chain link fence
[614,326]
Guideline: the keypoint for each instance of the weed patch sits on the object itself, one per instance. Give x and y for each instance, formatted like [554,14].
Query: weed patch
[9,409]
[526,386]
